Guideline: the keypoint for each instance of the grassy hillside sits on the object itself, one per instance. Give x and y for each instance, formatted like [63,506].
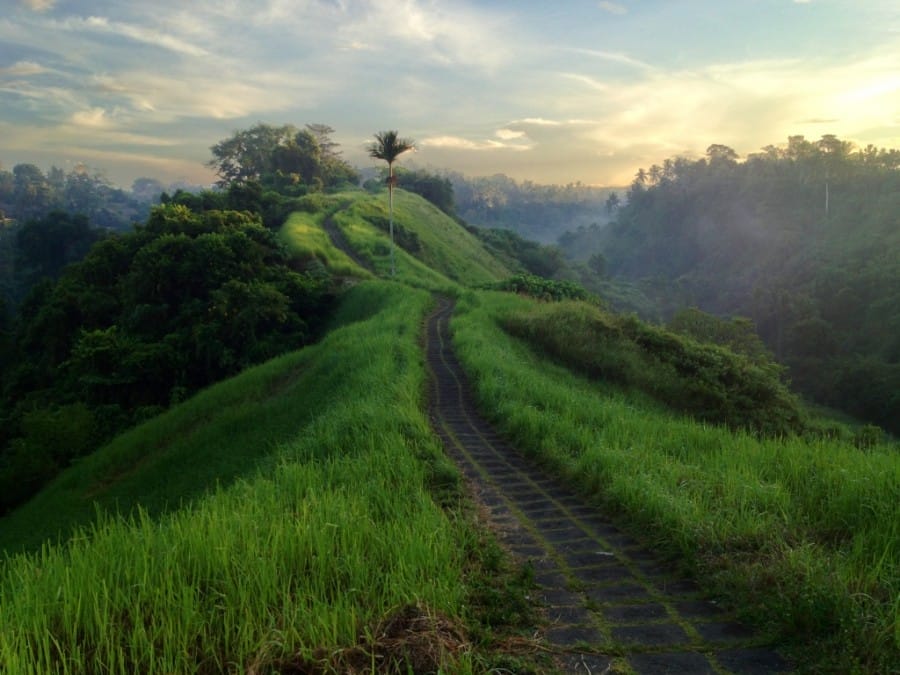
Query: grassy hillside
[801,536]
[305,237]
[277,521]
[431,249]
[422,231]
[330,525]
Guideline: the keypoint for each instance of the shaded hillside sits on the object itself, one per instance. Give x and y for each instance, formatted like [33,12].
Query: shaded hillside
[804,240]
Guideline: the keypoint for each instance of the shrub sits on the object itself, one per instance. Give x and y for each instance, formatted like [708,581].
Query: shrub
[541,288]
[708,382]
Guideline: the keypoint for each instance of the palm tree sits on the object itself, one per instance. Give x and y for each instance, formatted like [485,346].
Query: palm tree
[388,146]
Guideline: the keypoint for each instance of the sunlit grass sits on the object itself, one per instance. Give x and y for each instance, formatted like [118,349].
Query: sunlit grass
[802,537]
[303,553]
[448,252]
[304,236]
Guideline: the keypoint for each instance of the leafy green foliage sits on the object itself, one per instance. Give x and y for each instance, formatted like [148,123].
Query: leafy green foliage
[515,251]
[28,193]
[288,159]
[150,317]
[804,240]
[46,245]
[737,334]
[541,288]
[436,189]
[707,382]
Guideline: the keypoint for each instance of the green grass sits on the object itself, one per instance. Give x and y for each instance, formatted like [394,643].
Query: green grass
[447,253]
[305,238]
[708,382]
[181,454]
[802,537]
[306,551]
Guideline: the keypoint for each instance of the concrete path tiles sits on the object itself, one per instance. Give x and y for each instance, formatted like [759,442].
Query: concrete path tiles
[611,605]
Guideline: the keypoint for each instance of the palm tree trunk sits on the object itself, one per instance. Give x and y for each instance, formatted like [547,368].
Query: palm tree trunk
[391,213]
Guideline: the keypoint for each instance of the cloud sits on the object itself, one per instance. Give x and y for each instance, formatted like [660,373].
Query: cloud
[95,118]
[23,68]
[612,7]
[458,143]
[509,134]
[539,121]
[614,57]
[445,34]
[102,25]
[589,81]
[39,5]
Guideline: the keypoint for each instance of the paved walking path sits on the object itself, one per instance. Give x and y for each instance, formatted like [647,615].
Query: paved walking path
[340,241]
[609,601]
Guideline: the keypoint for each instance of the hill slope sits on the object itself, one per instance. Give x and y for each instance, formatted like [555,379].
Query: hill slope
[281,515]
[432,250]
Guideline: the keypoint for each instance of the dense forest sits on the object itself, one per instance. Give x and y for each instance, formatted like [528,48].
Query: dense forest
[540,213]
[101,327]
[803,239]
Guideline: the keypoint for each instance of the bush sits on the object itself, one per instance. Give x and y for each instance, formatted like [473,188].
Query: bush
[708,382]
[541,288]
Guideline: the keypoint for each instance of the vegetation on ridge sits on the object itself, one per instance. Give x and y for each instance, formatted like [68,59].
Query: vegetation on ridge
[337,532]
[801,536]
[707,382]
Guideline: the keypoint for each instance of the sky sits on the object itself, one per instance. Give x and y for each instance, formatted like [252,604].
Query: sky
[553,92]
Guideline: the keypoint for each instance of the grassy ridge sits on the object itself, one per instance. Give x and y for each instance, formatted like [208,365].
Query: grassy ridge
[305,238]
[301,555]
[803,537]
[433,251]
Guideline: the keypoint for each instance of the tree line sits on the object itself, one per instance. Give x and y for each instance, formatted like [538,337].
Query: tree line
[101,328]
[803,239]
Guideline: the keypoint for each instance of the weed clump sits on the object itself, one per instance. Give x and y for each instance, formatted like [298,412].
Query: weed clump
[410,639]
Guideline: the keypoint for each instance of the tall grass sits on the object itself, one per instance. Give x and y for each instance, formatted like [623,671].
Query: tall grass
[290,562]
[804,537]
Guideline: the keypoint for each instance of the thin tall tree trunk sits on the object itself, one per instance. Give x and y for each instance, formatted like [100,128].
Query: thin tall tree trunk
[391,213]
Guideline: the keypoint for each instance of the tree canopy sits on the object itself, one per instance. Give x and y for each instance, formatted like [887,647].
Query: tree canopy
[804,239]
[281,157]
[145,319]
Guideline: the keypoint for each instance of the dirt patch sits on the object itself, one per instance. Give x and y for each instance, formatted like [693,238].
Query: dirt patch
[411,639]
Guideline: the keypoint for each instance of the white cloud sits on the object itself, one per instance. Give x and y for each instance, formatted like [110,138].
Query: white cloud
[23,68]
[95,118]
[614,57]
[458,143]
[539,121]
[39,5]
[586,80]
[509,134]
[612,7]
[99,24]
[447,34]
